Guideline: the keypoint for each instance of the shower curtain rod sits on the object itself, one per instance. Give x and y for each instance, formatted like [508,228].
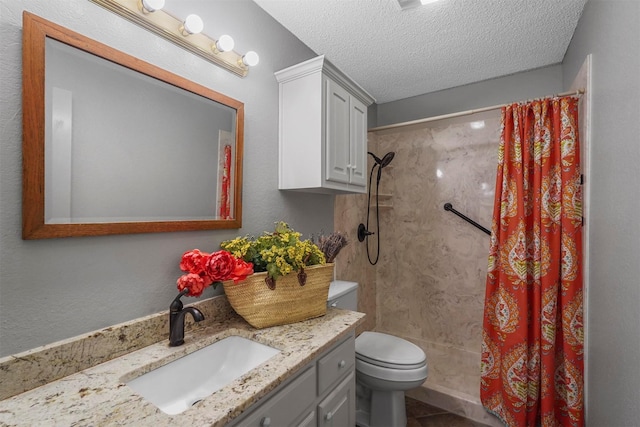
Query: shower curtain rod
[460,114]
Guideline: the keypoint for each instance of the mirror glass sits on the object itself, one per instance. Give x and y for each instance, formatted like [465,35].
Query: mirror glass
[122,146]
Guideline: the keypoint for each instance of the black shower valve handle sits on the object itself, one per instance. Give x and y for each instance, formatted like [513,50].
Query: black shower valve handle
[363,232]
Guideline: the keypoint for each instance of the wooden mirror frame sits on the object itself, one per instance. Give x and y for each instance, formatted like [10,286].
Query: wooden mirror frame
[35,32]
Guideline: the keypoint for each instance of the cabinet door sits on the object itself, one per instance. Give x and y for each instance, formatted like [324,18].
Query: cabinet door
[308,421]
[338,409]
[286,405]
[358,152]
[338,133]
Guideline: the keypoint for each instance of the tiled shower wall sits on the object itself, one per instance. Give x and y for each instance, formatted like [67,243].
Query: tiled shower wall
[428,285]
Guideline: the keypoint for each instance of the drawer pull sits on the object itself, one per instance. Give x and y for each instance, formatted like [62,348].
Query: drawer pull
[342,364]
[328,416]
[265,422]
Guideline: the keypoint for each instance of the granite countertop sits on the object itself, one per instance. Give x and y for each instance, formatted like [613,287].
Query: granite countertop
[98,395]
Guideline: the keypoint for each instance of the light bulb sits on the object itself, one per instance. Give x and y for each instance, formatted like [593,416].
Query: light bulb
[225,43]
[193,24]
[152,5]
[250,59]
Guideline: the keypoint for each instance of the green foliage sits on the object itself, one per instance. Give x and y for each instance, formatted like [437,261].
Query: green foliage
[278,253]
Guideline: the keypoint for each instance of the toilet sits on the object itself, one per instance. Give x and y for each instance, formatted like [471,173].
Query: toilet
[386,366]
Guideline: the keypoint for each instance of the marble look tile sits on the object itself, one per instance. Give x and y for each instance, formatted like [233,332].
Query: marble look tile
[433,266]
[430,279]
[351,263]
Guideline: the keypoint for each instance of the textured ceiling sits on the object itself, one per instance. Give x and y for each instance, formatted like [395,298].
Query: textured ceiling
[395,54]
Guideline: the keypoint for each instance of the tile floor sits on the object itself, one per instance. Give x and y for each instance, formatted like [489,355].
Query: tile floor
[420,414]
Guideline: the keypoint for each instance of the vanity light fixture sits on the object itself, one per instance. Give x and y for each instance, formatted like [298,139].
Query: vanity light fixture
[224,44]
[250,59]
[151,6]
[187,34]
[192,25]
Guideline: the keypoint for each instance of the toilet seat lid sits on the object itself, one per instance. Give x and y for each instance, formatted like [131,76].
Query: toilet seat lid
[389,351]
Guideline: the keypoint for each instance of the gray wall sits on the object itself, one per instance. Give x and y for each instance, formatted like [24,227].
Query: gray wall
[59,288]
[516,87]
[610,31]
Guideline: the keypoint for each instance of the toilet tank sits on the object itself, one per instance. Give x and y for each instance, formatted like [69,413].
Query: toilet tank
[343,294]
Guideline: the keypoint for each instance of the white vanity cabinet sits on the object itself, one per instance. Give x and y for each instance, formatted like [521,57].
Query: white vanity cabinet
[322,129]
[321,394]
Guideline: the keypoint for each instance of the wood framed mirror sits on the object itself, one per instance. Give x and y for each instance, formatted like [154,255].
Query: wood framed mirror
[115,145]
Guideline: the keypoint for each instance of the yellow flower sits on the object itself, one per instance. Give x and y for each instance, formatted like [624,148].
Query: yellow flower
[277,253]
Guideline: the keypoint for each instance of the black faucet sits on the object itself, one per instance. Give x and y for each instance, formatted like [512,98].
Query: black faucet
[176,319]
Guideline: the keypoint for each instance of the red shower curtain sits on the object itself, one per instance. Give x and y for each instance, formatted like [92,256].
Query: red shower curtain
[532,347]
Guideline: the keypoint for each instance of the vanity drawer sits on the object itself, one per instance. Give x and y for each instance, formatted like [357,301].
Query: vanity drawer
[283,408]
[339,407]
[336,364]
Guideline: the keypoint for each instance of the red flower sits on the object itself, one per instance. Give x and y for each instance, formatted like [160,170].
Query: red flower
[204,269]
[220,265]
[194,261]
[193,282]
[241,270]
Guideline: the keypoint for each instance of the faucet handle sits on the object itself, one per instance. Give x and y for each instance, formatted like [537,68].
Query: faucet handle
[176,304]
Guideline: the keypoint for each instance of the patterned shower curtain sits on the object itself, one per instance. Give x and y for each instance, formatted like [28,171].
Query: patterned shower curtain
[532,347]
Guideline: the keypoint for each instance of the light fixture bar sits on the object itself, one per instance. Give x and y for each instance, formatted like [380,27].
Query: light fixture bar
[169,27]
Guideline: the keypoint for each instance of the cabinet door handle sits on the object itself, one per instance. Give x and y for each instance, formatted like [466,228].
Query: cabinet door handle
[265,422]
[342,364]
[328,416]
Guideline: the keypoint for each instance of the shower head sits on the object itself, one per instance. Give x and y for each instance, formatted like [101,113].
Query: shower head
[381,162]
[385,160]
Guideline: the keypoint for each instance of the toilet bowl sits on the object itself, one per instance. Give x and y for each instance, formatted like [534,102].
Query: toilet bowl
[386,366]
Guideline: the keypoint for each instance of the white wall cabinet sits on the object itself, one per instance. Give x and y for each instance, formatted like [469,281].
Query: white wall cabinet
[321,394]
[322,129]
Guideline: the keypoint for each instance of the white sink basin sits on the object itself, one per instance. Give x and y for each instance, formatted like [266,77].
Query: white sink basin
[176,386]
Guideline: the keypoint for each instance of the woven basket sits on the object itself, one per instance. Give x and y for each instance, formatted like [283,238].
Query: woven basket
[288,302]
